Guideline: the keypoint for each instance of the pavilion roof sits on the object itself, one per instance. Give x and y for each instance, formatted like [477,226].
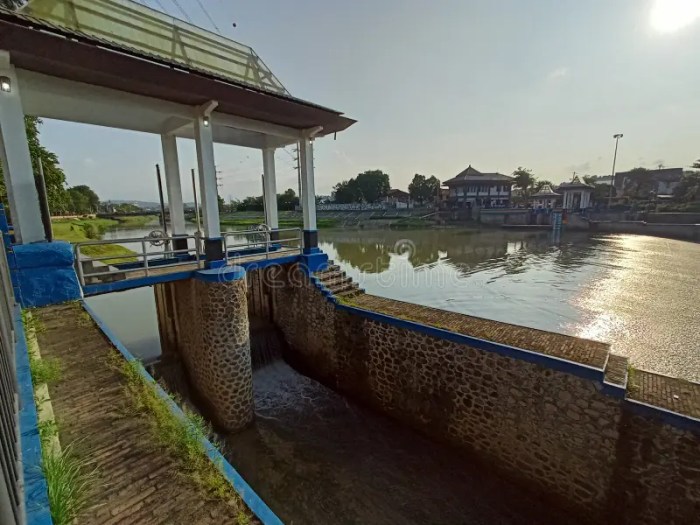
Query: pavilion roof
[83,41]
[473,175]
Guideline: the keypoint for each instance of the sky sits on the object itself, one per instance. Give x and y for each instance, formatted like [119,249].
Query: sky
[438,85]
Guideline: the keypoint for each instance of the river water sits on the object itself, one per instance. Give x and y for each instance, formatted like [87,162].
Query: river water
[318,458]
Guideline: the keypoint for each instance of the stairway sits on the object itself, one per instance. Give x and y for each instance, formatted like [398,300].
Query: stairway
[338,283]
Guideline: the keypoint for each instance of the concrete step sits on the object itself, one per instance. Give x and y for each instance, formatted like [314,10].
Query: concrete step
[336,279]
[331,270]
[343,287]
[349,294]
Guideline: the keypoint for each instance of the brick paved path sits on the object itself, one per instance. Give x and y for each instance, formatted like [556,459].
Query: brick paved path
[138,482]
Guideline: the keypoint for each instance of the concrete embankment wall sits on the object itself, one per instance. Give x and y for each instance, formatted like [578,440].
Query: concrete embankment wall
[559,426]
[689,232]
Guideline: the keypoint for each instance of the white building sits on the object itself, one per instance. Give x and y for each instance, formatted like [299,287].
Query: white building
[576,194]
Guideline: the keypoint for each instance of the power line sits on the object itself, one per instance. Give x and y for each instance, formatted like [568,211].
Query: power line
[184,13]
[209,17]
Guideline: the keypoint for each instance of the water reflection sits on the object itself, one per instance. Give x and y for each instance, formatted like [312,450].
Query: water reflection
[638,293]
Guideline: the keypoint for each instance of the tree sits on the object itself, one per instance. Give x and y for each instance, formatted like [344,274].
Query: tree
[538,185]
[688,188]
[373,185]
[638,183]
[524,180]
[11,4]
[82,200]
[287,201]
[346,192]
[423,189]
[53,174]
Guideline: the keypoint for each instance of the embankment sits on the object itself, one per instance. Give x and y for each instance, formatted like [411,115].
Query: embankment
[688,232]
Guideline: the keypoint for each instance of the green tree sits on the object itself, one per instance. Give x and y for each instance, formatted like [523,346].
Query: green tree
[373,185]
[638,183]
[11,4]
[347,191]
[538,185]
[82,200]
[287,201]
[53,174]
[524,180]
[423,189]
[688,188]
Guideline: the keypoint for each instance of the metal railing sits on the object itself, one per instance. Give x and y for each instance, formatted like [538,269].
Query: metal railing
[11,497]
[235,248]
[92,270]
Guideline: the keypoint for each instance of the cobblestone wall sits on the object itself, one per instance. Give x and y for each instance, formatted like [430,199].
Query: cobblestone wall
[214,344]
[555,431]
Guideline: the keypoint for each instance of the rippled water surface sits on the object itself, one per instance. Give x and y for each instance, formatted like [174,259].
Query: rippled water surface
[641,294]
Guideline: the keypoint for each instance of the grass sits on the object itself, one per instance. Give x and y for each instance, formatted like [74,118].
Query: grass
[47,371]
[69,479]
[183,438]
[244,222]
[83,230]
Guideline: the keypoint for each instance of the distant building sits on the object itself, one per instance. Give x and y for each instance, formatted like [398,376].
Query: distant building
[545,198]
[398,199]
[471,188]
[576,195]
[664,180]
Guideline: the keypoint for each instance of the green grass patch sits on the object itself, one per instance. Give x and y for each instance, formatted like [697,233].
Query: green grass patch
[245,222]
[181,437]
[47,371]
[84,230]
[69,479]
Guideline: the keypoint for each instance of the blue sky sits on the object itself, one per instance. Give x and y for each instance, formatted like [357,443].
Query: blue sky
[437,85]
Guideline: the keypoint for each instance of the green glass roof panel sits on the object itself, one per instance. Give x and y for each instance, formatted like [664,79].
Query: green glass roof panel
[138,27]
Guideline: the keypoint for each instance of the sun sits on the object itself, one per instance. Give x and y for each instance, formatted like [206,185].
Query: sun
[667,16]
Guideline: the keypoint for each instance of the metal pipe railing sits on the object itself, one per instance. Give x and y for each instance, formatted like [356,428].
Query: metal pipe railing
[142,258]
[262,239]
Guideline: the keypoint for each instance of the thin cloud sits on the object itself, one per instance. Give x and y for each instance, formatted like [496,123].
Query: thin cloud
[558,73]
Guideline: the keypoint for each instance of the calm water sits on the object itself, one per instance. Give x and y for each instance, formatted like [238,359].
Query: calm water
[641,294]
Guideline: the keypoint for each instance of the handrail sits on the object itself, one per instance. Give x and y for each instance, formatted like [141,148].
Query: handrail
[270,245]
[81,259]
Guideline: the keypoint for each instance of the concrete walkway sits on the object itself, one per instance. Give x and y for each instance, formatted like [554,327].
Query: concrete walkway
[138,482]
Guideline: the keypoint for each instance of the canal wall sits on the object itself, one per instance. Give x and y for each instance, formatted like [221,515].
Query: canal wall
[563,422]
[688,232]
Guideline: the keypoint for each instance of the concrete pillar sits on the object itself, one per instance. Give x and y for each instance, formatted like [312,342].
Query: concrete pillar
[213,245]
[16,160]
[212,335]
[270,191]
[308,195]
[176,207]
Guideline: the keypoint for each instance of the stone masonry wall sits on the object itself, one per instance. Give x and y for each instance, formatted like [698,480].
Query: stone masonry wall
[555,431]
[214,344]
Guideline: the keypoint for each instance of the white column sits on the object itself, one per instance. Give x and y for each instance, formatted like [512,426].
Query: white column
[308,194]
[207,177]
[172,182]
[16,161]
[270,188]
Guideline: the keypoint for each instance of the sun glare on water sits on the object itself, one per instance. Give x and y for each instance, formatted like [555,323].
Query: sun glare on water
[668,16]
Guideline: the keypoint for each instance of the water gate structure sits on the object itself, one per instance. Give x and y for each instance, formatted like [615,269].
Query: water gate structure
[563,416]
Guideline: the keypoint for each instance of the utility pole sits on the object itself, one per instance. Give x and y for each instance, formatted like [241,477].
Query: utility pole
[298,167]
[196,205]
[617,137]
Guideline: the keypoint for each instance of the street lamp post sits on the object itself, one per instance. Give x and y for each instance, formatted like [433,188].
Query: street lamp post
[617,137]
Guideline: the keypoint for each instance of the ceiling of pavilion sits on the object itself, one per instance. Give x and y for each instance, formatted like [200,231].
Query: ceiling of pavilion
[133,25]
